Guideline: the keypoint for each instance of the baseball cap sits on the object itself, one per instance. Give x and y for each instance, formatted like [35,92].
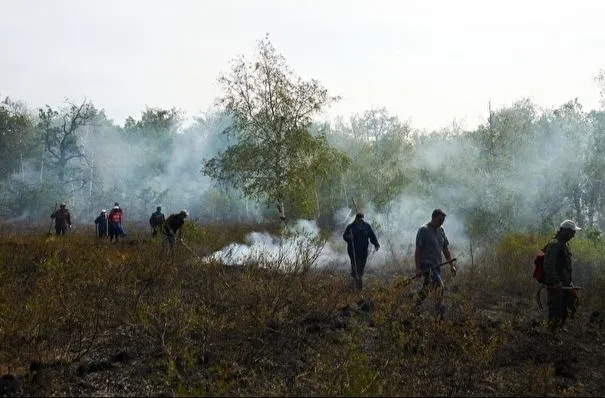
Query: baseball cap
[569,224]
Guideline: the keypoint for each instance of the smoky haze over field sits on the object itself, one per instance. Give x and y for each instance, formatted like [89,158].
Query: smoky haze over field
[518,172]
[526,176]
[524,169]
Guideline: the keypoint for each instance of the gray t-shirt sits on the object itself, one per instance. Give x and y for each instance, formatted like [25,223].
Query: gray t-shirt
[431,243]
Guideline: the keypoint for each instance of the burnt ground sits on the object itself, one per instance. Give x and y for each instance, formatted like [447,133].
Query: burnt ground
[183,327]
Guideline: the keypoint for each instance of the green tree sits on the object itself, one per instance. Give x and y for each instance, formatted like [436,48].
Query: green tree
[59,132]
[17,141]
[381,148]
[595,169]
[155,133]
[275,157]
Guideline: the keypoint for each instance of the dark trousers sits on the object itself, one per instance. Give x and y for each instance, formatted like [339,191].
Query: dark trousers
[562,304]
[114,231]
[358,264]
[60,230]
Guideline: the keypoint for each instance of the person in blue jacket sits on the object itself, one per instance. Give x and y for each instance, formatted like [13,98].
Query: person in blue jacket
[101,223]
[358,235]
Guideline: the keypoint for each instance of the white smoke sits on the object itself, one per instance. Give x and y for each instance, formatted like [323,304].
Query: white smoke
[300,246]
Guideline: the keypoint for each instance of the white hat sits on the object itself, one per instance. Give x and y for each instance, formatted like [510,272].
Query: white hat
[116,207]
[103,211]
[569,224]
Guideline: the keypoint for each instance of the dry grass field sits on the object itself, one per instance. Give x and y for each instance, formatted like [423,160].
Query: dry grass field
[82,317]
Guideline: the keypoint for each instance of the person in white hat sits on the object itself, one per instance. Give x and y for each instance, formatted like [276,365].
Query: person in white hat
[101,224]
[562,298]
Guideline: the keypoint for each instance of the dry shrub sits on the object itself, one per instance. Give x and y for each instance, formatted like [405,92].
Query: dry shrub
[273,327]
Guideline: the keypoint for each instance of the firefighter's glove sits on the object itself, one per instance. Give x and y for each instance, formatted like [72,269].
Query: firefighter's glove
[376,247]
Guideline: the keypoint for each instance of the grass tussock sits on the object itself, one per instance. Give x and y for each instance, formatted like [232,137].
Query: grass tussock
[79,316]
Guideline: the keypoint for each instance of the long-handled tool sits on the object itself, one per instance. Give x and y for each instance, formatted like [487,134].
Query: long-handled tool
[188,248]
[51,220]
[404,281]
[539,301]
[353,247]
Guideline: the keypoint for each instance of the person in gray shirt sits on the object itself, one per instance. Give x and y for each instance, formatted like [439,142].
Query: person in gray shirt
[431,243]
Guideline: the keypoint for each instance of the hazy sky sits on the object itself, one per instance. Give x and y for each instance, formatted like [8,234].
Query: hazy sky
[429,62]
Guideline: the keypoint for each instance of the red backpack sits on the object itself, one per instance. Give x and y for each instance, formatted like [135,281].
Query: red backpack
[539,273]
[114,217]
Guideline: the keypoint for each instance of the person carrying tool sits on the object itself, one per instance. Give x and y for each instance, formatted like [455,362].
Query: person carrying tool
[562,297]
[101,223]
[358,234]
[431,242]
[62,219]
[172,226]
[156,220]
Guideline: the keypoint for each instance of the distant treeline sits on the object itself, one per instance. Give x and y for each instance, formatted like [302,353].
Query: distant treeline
[525,168]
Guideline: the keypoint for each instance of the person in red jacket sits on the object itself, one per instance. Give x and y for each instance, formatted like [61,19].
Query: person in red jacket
[114,221]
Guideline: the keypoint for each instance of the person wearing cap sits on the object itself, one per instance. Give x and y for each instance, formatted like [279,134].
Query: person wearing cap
[562,298]
[101,224]
[172,227]
[115,223]
[156,220]
[358,234]
[62,219]
[431,243]
[120,226]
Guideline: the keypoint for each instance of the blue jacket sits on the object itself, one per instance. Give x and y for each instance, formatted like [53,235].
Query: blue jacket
[101,221]
[359,235]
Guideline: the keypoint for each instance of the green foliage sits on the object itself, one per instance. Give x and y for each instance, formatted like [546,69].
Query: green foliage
[59,131]
[512,173]
[379,147]
[275,156]
[589,250]
[17,140]
[512,266]
[593,234]
[155,132]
